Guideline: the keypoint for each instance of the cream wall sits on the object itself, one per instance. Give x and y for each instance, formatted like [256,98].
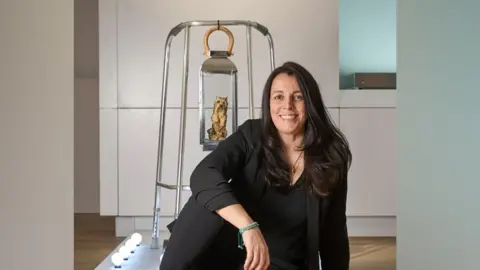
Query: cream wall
[36,138]
[132,38]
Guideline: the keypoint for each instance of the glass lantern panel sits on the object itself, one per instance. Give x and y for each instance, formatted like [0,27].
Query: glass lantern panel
[219,106]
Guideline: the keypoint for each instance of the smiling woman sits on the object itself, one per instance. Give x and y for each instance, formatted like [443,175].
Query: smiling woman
[295,119]
[287,198]
[286,104]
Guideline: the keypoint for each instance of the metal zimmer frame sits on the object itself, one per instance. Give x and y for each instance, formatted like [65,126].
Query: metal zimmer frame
[185,26]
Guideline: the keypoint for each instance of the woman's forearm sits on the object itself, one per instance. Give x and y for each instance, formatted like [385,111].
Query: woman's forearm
[236,215]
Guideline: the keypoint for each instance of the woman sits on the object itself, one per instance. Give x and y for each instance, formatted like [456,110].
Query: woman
[286,200]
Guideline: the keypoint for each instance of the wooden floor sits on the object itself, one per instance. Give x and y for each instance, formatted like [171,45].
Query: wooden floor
[95,239]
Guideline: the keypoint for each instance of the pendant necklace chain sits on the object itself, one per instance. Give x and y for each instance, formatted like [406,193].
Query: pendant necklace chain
[294,167]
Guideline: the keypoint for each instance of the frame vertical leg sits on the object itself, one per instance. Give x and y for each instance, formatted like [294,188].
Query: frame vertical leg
[161,135]
[183,116]
[251,105]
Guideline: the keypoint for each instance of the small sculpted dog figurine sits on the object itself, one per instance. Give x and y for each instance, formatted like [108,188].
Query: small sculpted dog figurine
[218,131]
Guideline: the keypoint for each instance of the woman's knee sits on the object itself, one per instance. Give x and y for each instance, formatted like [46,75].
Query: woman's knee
[192,233]
[194,215]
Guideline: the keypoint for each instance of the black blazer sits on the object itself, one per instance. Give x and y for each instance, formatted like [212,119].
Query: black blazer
[237,158]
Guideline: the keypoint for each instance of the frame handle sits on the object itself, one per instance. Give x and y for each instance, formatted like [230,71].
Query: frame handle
[224,29]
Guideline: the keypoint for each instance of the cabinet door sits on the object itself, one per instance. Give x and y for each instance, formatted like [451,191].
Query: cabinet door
[335,115]
[138,152]
[371,133]
[108,162]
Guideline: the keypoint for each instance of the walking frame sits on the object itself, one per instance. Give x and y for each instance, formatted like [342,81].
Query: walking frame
[179,186]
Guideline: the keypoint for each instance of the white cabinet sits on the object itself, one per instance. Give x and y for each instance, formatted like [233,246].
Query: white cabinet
[371,133]
[138,148]
[137,160]
[335,115]
[108,153]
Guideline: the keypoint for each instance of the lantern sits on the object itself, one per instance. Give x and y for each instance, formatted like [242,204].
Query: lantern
[217,93]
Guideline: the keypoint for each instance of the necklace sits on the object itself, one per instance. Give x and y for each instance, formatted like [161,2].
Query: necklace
[295,166]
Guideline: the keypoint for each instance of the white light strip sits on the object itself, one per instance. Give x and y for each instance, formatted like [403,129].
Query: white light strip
[127,250]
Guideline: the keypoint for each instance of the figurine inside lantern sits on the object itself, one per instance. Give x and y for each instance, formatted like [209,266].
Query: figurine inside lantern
[218,85]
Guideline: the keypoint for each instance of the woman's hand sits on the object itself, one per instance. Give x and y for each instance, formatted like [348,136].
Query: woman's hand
[258,257]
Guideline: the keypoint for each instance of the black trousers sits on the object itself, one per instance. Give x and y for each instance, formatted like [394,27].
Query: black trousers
[202,240]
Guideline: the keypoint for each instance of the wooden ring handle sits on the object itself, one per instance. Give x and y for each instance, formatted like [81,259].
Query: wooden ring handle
[224,29]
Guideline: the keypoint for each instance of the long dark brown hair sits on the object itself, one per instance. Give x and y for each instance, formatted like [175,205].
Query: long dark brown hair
[326,150]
